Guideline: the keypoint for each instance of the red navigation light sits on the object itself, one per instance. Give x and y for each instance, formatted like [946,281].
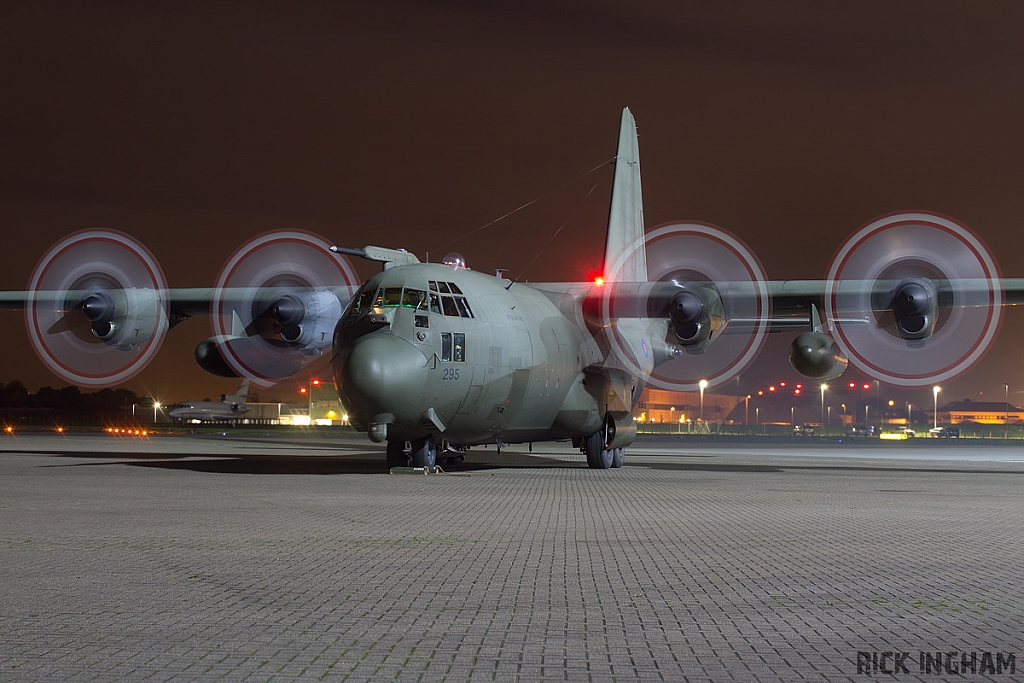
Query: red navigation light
[302,390]
[799,386]
[316,382]
[852,385]
[599,281]
[796,392]
[866,387]
[782,384]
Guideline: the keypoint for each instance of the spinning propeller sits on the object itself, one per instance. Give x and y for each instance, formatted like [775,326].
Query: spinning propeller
[930,291]
[97,312]
[275,306]
[703,279]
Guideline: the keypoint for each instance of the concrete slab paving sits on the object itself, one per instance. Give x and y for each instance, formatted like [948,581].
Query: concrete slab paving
[262,558]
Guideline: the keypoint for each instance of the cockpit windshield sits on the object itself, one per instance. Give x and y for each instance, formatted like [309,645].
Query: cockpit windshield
[444,298]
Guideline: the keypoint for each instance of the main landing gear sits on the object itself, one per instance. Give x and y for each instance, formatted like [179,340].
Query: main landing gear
[599,457]
[420,453]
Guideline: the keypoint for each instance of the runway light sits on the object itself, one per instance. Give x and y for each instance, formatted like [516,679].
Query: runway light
[760,393]
[782,384]
[796,392]
[866,387]
[771,388]
[852,385]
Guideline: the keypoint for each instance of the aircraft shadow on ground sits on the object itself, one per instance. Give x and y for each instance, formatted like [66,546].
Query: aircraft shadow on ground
[366,463]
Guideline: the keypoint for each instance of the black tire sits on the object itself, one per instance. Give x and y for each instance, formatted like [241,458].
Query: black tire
[591,445]
[618,458]
[598,457]
[396,454]
[424,453]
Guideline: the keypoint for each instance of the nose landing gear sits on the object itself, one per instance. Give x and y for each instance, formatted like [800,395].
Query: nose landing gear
[418,453]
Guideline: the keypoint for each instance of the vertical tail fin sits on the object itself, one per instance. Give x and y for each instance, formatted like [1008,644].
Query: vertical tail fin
[240,396]
[625,259]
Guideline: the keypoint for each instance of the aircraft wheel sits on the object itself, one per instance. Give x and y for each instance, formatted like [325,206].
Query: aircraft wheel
[396,454]
[598,457]
[618,458]
[424,453]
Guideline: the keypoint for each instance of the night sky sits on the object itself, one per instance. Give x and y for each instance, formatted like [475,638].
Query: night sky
[197,125]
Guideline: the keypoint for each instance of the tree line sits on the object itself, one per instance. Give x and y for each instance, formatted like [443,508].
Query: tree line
[66,401]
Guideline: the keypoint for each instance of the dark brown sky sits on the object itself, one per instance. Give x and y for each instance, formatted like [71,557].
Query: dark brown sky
[195,126]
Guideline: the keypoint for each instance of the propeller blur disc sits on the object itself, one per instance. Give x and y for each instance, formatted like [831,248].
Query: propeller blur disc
[256,275]
[915,245]
[80,265]
[695,253]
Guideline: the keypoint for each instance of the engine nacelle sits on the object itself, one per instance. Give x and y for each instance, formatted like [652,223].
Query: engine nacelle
[816,356]
[125,318]
[696,315]
[913,306]
[307,319]
[210,357]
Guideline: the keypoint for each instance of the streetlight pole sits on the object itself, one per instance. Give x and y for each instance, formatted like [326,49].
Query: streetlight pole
[312,383]
[746,411]
[823,388]
[829,420]
[1006,403]
[935,401]
[703,384]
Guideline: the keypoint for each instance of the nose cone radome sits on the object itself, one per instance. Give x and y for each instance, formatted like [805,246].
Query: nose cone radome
[383,374]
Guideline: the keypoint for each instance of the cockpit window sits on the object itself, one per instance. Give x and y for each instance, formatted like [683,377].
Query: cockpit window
[414,298]
[463,307]
[449,306]
[455,288]
[392,296]
[363,300]
[443,286]
[435,302]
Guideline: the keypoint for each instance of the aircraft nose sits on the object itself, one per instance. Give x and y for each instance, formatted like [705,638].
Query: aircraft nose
[384,374]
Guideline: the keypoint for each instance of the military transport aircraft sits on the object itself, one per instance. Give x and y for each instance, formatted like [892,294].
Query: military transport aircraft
[435,356]
[230,408]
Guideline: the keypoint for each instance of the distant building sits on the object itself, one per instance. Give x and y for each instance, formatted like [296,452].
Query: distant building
[981,412]
[658,406]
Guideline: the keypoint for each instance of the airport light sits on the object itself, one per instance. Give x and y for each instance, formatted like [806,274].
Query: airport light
[703,384]
[746,411]
[156,407]
[1006,403]
[935,399]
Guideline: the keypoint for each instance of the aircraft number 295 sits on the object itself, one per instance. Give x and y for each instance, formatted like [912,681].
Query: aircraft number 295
[450,373]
